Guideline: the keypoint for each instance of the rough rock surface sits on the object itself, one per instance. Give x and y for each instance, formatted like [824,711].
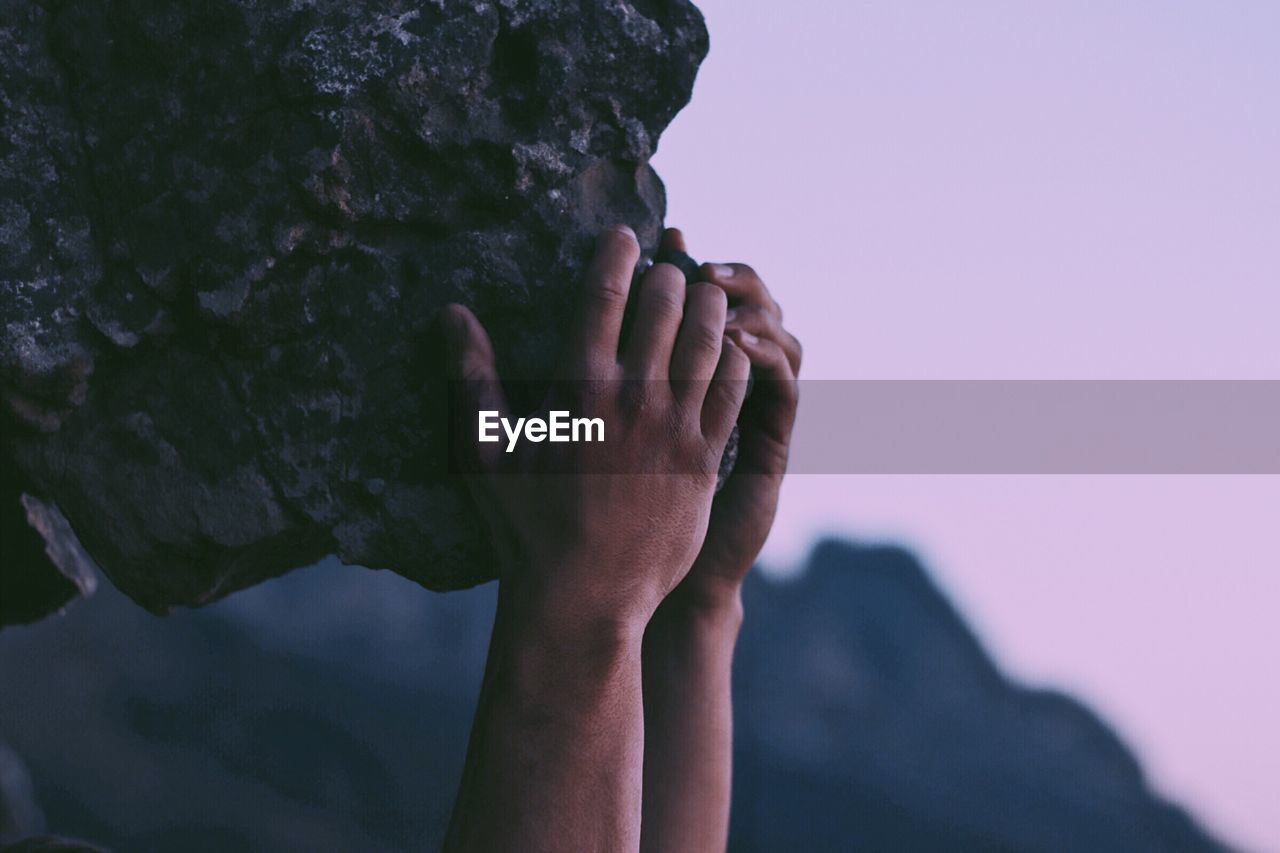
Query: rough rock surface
[226,229]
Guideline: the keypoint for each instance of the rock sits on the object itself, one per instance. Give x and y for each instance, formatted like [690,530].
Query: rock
[872,718]
[867,716]
[20,814]
[44,567]
[226,230]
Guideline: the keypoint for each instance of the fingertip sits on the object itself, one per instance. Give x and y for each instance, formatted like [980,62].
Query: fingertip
[668,275]
[673,240]
[717,272]
[456,320]
[617,250]
[619,230]
[667,268]
[707,290]
[456,312]
[467,340]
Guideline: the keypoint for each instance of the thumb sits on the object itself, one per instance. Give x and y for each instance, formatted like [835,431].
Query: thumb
[476,384]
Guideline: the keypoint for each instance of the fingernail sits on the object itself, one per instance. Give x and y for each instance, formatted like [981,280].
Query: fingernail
[624,229]
[730,315]
[747,337]
[722,271]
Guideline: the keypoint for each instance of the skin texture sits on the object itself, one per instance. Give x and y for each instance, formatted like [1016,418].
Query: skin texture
[689,642]
[556,754]
[618,601]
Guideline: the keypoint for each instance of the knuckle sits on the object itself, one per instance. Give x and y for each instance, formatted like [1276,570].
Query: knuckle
[706,338]
[666,301]
[704,330]
[706,293]
[676,423]
[754,316]
[777,354]
[640,399]
[585,394]
[609,289]
[704,462]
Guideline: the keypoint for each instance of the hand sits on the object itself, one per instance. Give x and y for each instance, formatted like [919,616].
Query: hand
[743,512]
[606,548]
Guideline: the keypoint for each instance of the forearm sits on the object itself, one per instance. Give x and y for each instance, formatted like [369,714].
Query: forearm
[556,750]
[688,662]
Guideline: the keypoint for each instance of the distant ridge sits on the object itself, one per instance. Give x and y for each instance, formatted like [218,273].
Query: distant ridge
[329,710]
[872,718]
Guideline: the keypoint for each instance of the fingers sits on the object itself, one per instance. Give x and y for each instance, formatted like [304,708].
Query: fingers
[770,413]
[659,310]
[725,396]
[764,324]
[754,327]
[475,373]
[593,349]
[742,283]
[698,343]
[673,241]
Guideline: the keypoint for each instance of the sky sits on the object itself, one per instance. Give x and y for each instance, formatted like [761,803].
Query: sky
[1049,190]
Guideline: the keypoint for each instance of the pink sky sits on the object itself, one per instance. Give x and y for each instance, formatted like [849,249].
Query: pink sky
[1017,190]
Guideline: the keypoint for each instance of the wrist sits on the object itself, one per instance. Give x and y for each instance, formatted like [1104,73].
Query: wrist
[702,611]
[708,595]
[551,608]
[695,625]
[557,668]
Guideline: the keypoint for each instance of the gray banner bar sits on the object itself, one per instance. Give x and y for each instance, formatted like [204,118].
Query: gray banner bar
[1038,427]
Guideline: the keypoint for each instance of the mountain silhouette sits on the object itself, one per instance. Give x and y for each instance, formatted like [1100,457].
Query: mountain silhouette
[329,710]
[870,717]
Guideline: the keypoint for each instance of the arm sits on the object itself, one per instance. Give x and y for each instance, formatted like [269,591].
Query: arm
[688,646]
[556,751]
[557,732]
[688,660]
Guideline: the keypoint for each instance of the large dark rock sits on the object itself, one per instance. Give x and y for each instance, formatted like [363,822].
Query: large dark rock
[226,229]
[330,711]
[42,566]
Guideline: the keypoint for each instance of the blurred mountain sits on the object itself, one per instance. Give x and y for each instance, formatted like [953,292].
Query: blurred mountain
[869,717]
[329,710]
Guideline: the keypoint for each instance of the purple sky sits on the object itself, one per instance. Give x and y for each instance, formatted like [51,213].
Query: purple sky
[1017,190]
